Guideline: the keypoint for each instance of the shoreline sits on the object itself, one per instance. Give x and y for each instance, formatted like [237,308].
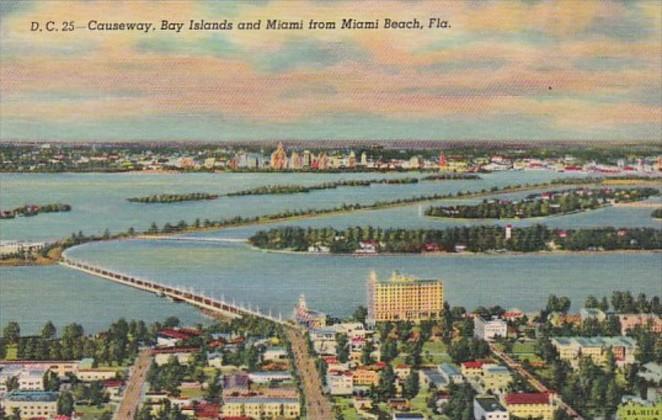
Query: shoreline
[265,221]
[461,254]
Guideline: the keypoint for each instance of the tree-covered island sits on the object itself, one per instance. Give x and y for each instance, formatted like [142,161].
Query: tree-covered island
[34,209]
[372,240]
[173,198]
[544,204]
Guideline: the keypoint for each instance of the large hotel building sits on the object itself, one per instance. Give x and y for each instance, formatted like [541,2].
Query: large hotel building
[404,298]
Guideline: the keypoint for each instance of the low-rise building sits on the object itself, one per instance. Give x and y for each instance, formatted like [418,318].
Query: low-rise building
[489,330]
[592,313]
[451,373]
[182,354]
[90,375]
[340,383]
[631,321]
[572,349]
[366,375]
[260,407]
[31,404]
[531,405]
[265,377]
[274,354]
[495,378]
[487,407]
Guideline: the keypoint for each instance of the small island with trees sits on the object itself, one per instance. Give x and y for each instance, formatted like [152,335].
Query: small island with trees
[294,189]
[34,209]
[372,240]
[548,203]
[657,213]
[173,198]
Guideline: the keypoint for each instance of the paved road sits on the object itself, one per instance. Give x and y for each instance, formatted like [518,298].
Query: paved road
[533,381]
[134,386]
[318,406]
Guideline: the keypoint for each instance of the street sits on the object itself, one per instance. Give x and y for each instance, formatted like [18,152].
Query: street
[533,381]
[133,391]
[318,406]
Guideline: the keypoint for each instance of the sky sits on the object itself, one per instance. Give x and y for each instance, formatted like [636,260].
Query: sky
[587,71]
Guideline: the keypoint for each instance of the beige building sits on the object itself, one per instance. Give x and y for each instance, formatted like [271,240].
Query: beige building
[404,298]
[262,407]
[31,403]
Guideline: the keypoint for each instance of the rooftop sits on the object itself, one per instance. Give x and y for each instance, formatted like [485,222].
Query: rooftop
[526,398]
[489,403]
[40,396]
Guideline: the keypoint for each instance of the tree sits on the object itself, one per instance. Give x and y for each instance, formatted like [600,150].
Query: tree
[411,386]
[360,314]
[12,332]
[65,404]
[51,381]
[49,331]
[342,347]
[12,383]
[386,387]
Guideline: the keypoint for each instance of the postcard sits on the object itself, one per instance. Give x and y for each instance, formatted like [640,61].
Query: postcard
[306,209]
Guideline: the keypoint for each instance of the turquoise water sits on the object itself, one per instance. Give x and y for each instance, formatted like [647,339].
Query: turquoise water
[334,284]
[99,200]
[33,295]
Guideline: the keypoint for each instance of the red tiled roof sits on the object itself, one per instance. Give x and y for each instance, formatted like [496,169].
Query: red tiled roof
[527,398]
[176,350]
[207,410]
[178,334]
[473,365]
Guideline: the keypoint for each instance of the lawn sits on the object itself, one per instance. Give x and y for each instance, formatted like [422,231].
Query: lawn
[87,412]
[420,403]
[526,347]
[346,408]
[435,352]
[11,352]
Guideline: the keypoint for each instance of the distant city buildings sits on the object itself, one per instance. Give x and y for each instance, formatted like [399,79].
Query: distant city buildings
[404,298]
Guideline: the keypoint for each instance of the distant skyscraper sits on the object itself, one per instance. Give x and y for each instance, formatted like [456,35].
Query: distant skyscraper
[443,163]
[279,158]
[307,159]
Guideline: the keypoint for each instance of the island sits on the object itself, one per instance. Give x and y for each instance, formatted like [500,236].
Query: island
[373,240]
[293,189]
[33,210]
[657,213]
[173,198]
[544,204]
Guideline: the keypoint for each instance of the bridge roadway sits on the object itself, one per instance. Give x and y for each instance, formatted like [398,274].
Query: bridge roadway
[189,239]
[215,305]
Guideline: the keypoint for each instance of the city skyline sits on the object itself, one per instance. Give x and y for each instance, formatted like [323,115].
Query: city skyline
[504,71]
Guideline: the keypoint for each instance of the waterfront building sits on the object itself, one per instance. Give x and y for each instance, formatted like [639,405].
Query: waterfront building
[262,407]
[404,298]
[531,405]
[487,407]
[307,317]
[592,313]
[572,349]
[631,321]
[296,161]
[31,404]
[307,159]
[489,330]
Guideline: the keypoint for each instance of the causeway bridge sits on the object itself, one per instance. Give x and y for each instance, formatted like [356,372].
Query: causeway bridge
[178,294]
[189,239]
